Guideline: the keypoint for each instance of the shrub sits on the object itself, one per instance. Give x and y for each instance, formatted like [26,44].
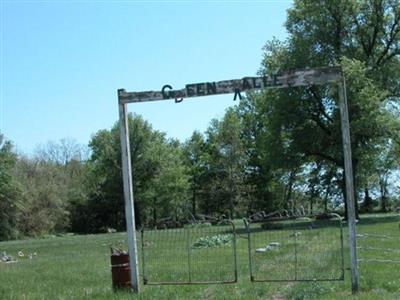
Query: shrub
[212,241]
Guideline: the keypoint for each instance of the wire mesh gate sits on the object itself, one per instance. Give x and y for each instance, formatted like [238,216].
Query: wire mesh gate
[296,249]
[379,242]
[195,254]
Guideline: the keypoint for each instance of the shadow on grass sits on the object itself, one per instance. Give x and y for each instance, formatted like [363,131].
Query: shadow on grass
[312,224]
[378,219]
[291,225]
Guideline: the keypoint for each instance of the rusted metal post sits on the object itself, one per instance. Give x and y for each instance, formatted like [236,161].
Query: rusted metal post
[348,170]
[128,194]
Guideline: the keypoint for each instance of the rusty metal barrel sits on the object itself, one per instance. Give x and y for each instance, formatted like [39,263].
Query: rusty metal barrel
[120,271]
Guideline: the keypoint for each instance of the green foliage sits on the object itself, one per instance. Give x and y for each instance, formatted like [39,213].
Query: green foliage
[297,130]
[44,197]
[212,241]
[159,177]
[9,191]
[217,164]
[50,181]
[307,292]
[226,161]
[196,159]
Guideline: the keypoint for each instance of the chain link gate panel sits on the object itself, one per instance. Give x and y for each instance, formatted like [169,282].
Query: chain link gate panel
[195,254]
[296,249]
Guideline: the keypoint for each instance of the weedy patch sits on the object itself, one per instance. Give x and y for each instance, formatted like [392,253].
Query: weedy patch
[212,241]
[305,291]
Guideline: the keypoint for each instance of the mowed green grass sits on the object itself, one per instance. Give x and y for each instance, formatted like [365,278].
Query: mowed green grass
[78,267]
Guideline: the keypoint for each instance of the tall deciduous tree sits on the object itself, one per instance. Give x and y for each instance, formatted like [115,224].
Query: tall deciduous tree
[362,36]
[225,166]
[196,159]
[51,181]
[9,191]
[160,182]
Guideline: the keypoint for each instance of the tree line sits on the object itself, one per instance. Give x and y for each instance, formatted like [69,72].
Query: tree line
[275,149]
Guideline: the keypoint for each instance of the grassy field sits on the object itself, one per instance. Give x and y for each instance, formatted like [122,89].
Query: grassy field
[77,267]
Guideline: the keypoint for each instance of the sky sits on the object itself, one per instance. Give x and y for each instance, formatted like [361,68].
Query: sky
[61,62]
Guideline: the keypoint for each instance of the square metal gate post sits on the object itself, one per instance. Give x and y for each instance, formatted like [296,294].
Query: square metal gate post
[128,194]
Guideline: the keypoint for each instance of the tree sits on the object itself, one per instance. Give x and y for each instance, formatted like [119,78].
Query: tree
[267,183]
[196,159]
[9,191]
[362,36]
[170,184]
[388,162]
[225,165]
[53,183]
[62,152]
[45,203]
[160,182]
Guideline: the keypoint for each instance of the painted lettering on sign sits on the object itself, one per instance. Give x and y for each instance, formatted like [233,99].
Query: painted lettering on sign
[294,78]
[213,88]
[201,89]
[168,93]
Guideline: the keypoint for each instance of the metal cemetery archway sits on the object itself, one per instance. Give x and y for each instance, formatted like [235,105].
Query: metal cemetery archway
[296,78]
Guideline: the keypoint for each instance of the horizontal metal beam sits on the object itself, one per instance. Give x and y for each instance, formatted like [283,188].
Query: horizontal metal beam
[288,79]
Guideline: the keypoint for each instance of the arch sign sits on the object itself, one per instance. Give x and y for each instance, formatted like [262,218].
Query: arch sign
[295,78]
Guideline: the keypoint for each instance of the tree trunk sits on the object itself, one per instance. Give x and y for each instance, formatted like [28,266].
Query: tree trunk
[289,189]
[367,200]
[326,199]
[154,211]
[138,214]
[383,195]
[194,196]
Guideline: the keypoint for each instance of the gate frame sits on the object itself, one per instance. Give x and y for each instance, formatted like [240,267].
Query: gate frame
[342,268]
[304,77]
[190,281]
